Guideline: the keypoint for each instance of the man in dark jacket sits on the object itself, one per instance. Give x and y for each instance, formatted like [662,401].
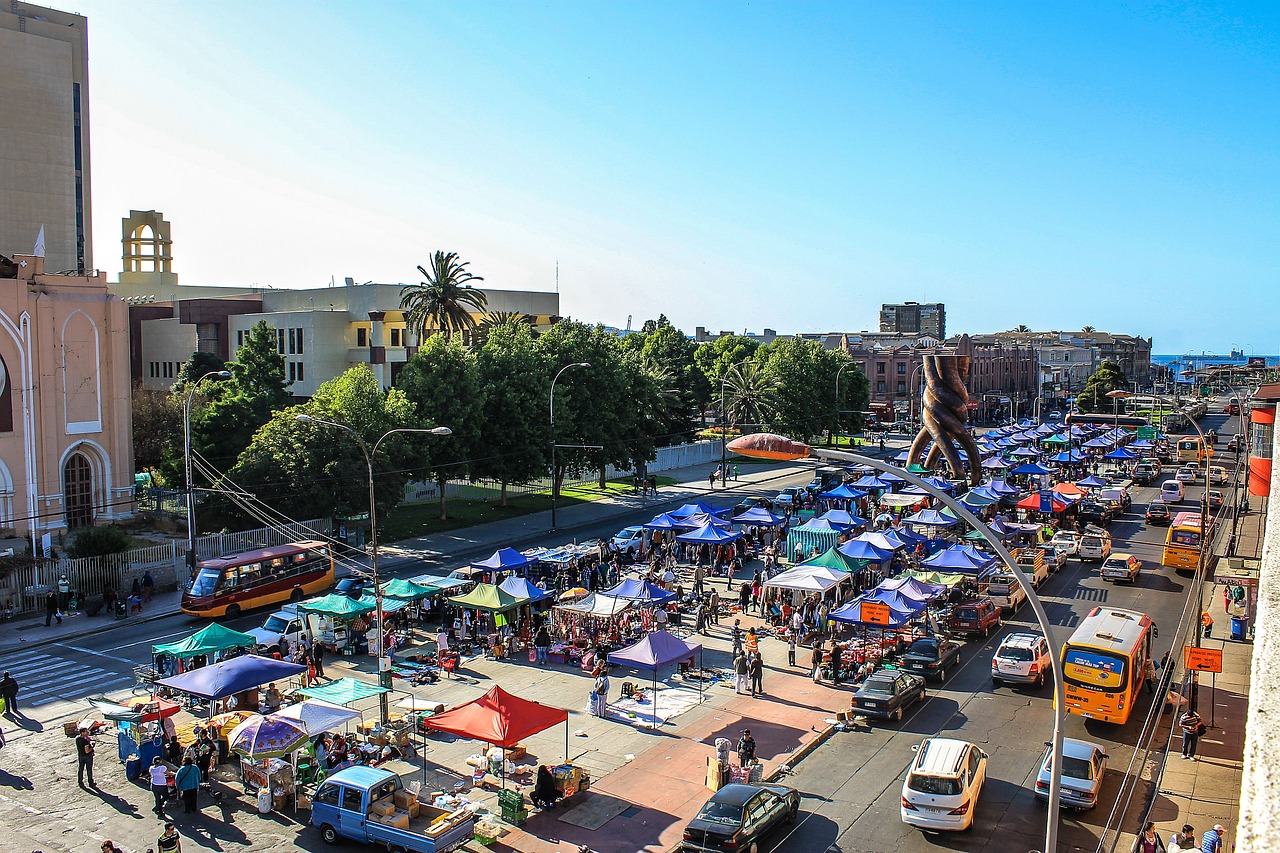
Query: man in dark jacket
[9,692]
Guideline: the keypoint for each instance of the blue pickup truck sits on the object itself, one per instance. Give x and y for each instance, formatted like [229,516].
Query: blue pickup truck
[369,804]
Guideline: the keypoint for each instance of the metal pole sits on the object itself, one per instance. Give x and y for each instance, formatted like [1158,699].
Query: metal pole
[555,481]
[834,438]
[186,464]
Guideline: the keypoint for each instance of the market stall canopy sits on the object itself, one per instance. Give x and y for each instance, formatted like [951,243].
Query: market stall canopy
[906,535]
[405,590]
[1120,453]
[842,493]
[940,483]
[1057,439]
[871,482]
[900,500]
[995,463]
[1092,482]
[803,580]
[1000,487]
[344,691]
[488,597]
[635,589]
[947,579]
[897,598]
[1045,501]
[709,534]
[523,588]
[598,605]
[1025,453]
[759,517]
[818,525]
[930,518]
[860,549]
[210,639]
[695,508]
[842,519]
[700,519]
[389,605]
[318,716]
[665,521]
[336,607]
[1068,490]
[222,679]
[655,651]
[913,588]
[145,711]
[503,560]
[1067,457]
[851,613]
[881,540]
[1032,468]
[833,559]
[499,718]
[960,558]
[978,498]
[266,737]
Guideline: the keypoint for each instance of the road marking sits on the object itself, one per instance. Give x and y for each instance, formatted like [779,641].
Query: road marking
[153,641]
[99,654]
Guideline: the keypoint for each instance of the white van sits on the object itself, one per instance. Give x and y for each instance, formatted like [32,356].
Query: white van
[1171,491]
[1095,544]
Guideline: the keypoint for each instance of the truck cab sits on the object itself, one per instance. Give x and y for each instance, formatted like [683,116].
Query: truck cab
[1005,591]
[287,622]
[369,804]
[1035,563]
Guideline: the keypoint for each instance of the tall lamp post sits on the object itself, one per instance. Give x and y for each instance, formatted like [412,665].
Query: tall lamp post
[186,464]
[843,368]
[369,453]
[555,481]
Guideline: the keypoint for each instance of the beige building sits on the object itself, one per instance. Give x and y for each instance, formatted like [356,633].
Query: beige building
[44,135]
[66,435]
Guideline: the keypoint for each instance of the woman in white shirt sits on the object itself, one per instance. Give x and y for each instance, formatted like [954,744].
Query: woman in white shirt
[159,784]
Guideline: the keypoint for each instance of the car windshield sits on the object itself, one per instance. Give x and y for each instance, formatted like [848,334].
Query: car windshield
[206,582]
[1016,653]
[1077,768]
[275,625]
[923,647]
[722,812]
[967,613]
[878,686]
[941,785]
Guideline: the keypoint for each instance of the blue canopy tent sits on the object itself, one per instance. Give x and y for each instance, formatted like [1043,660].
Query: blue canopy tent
[851,613]
[842,519]
[1092,482]
[907,536]
[896,597]
[1142,444]
[940,483]
[914,588]
[1120,454]
[977,499]
[891,478]
[229,677]
[995,463]
[655,651]
[522,588]
[1033,468]
[960,558]
[635,589]
[861,549]
[882,541]
[709,534]
[1067,457]
[1000,487]
[504,560]
[697,507]
[842,493]
[663,522]
[1099,442]
[698,519]
[819,524]
[1025,453]
[871,481]
[930,518]
[759,517]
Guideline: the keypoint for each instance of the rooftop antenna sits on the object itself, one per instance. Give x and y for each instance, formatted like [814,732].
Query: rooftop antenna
[557,275]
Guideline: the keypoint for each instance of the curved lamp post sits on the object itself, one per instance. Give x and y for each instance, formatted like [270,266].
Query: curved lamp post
[555,481]
[186,463]
[835,438]
[1059,711]
[369,453]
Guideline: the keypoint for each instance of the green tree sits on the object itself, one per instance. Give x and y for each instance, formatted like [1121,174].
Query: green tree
[1105,379]
[200,364]
[668,355]
[157,429]
[444,300]
[311,469]
[442,382]
[750,395]
[805,374]
[716,357]
[515,377]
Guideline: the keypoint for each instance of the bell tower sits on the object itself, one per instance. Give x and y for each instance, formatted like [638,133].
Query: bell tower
[148,250]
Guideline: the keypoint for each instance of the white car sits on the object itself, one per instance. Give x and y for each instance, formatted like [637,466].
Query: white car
[1185,476]
[1084,766]
[1217,475]
[629,540]
[1023,658]
[1067,542]
[943,784]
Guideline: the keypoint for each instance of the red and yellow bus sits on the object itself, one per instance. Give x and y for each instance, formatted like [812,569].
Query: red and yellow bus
[226,586]
[1183,540]
[1104,663]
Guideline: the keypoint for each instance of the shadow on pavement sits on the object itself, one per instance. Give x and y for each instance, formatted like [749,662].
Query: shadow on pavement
[18,783]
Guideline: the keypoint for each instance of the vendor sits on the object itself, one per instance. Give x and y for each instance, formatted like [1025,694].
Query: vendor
[273,700]
[545,793]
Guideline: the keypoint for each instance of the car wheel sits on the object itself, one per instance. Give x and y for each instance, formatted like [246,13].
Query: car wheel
[942,674]
[793,813]
[296,595]
[754,848]
[896,716]
[233,610]
[328,834]
[1040,680]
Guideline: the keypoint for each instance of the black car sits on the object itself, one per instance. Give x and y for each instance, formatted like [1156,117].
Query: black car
[738,816]
[1095,512]
[352,588]
[752,503]
[1158,514]
[885,694]
[932,657]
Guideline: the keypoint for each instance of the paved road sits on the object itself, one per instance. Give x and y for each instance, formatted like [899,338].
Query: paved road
[852,785]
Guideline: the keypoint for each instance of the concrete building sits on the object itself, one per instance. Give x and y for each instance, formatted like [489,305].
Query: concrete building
[44,135]
[321,332]
[915,318]
[66,431]
[1067,353]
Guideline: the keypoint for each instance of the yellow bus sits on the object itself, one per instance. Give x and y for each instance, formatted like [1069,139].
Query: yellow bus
[229,585]
[1192,449]
[1182,542]
[1104,663]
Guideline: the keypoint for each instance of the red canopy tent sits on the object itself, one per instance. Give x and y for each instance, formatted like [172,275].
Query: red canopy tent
[500,718]
[1051,502]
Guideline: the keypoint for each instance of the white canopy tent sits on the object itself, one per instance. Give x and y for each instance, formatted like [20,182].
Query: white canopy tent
[597,604]
[317,716]
[807,579]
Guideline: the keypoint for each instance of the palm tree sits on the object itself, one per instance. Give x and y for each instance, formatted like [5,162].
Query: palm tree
[496,319]
[750,394]
[1088,330]
[1022,329]
[444,301]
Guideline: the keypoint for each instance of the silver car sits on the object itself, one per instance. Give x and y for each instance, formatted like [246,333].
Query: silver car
[1084,765]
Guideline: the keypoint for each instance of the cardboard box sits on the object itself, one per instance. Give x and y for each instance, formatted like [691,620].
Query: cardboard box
[399,819]
[403,798]
[382,808]
[517,752]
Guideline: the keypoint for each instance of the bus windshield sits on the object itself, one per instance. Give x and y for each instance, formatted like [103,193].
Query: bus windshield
[206,581]
[1091,668]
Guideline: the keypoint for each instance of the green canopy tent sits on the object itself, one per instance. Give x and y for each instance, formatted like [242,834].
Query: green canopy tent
[210,639]
[488,597]
[405,590]
[336,607]
[833,559]
[343,692]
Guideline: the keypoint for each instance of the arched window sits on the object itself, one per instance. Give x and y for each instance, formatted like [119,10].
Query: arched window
[77,491]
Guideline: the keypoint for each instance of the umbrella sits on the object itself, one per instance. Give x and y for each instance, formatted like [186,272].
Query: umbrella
[235,718]
[267,737]
[572,593]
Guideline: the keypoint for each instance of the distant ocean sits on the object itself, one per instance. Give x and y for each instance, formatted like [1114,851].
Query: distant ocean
[1198,360]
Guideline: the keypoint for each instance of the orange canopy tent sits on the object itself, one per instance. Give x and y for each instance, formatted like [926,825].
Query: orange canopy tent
[1069,489]
[499,718]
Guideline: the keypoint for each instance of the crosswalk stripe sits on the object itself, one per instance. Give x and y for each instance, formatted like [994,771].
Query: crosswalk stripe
[71,694]
[45,671]
[88,677]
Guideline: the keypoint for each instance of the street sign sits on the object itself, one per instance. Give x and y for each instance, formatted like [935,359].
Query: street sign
[1202,660]
[874,613]
[1148,433]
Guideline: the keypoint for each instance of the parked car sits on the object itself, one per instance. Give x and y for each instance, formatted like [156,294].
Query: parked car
[1158,514]
[931,657]
[752,503]
[1171,491]
[629,541]
[1023,658]
[975,616]
[1095,544]
[1056,558]
[943,784]
[788,497]
[1215,499]
[888,693]
[1084,766]
[1125,567]
[1185,475]
[352,587]
[1066,541]
[738,817]
[824,481]
[1097,512]
[1006,592]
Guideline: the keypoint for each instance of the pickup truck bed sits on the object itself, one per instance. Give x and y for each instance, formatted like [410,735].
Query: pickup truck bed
[438,838]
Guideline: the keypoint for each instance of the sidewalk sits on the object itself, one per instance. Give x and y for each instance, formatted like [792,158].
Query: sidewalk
[28,631]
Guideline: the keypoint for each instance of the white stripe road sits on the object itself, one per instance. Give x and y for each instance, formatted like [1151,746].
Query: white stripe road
[47,678]
[92,652]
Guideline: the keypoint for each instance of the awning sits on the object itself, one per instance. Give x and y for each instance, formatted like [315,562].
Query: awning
[499,718]
[344,691]
[655,651]
[408,590]
[635,589]
[488,597]
[503,560]
[336,606]
[210,639]
[709,534]
[220,680]
[523,588]
[598,605]
[318,716]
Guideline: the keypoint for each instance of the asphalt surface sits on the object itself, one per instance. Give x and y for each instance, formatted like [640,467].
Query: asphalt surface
[852,786]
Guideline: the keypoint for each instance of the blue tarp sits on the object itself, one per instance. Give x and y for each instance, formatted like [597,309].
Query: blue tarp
[503,560]
[860,549]
[709,534]
[852,613]
[220,680]
[695,508]
[522,588]
[759,517]
[634,589]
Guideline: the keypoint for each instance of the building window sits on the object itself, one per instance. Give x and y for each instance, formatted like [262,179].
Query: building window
[880,368]
[902,368]
[293,372]
[902,386]
[880,387]
[239,338]
[77,491]
[362,337]
[395,338]
[280,341]
[293,342]
[302,371]
[300,350]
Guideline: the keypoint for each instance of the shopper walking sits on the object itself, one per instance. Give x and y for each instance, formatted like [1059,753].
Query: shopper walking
[84,757]
[1192,728]
[1148,841]
[755,671]
[746,749]
[791,648]
[159,784]
[169,840]
[1212,840]
[740,673]
[542,643]
[9,693]
[816,662]
[51,609]
[187,781]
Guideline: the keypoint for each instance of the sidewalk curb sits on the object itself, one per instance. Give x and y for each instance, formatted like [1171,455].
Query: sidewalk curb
[85,632]
[800,754]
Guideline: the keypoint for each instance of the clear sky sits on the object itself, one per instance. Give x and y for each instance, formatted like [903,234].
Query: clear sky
[732,165]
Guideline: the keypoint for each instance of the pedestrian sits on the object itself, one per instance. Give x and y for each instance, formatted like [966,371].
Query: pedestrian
[1149,675]
[51,609]
[600,691]
[735,473]
[737,637]
[816,661]
[791,648]
[542,642]
[205,751]
[713,608]
[148,587]
[109,599]
[746,749]
[700,619]
[109,846]
[836,655]
[159,784]
[1192,728]
[169,841]
[1206,623]
[755,672]
[711,479]
[1183,840]
[187,781]
[699,579]
[1148,841]
[84,757]
[64,593]
[9,693]
[1212,840]
[317,658]
[739,672]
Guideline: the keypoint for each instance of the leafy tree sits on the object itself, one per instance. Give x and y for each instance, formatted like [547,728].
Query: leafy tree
[157,429]
[200,364]
[715,358]
[99,541]
[312,469]
[516,378]
[442,382]
[805,374]
[1102,381]
[497,319]
[443,302]
[668,355]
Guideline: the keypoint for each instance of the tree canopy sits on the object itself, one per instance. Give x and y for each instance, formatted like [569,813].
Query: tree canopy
[1108,377]
[445,299]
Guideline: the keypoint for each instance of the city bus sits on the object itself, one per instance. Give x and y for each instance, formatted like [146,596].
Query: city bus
[1191,449]
[229,585]
[1182,542]
[1104,662]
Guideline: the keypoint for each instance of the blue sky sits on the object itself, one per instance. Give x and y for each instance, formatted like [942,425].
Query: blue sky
[731,165]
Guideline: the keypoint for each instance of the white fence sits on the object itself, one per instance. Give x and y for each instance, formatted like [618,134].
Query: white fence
[24,589]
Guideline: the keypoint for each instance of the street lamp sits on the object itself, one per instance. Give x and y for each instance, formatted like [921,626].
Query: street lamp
[186,464]
[555,481]
[369,453]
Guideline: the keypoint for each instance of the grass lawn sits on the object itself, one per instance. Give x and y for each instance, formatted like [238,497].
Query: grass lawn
[410,520]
